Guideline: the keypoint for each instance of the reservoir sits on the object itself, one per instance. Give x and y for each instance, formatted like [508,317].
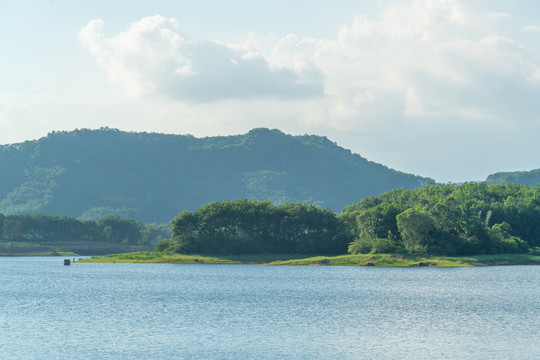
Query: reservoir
[166,311]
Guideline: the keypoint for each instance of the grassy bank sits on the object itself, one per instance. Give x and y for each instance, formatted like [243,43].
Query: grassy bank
[167,257]
[156,257]
[411,261]
[344,260]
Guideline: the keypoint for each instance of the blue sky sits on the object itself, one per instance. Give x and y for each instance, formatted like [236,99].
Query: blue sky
[441,88]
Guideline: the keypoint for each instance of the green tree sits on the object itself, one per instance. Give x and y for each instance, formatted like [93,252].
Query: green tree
[417,230]
[121,230]
[250,226]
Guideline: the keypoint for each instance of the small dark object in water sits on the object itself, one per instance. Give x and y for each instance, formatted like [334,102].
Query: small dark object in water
[66,262]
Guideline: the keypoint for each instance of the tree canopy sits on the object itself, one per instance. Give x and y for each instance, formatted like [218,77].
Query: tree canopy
[251,227]
[531,177]
[110,228]
[444,219]
[473,218]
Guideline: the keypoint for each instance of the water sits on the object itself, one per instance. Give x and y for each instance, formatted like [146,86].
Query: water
[164,311]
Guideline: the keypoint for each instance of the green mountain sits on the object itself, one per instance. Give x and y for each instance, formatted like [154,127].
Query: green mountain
[517,177]
[151,177]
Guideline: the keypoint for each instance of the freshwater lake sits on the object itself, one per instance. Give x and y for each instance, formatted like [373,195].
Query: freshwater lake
[165,311]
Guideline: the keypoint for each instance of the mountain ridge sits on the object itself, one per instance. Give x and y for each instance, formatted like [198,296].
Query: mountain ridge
[152,176]
[531,177]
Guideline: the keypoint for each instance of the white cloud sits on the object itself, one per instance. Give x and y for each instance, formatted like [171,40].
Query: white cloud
[421,58]
[424,78]
[152,57]
[403,88]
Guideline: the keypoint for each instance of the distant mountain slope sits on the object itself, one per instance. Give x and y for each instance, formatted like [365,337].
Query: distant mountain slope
[518,177]
[151,177]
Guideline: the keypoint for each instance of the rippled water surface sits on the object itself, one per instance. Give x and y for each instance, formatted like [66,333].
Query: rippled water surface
[164,311]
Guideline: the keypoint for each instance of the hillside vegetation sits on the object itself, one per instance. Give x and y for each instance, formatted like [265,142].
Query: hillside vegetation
[433,220]
[252,227]
[517,177]
[51,228]
[151,177]
[448,220]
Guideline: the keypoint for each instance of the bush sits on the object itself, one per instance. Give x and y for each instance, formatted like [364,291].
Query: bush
[383,246]
[362,245]
[366,244]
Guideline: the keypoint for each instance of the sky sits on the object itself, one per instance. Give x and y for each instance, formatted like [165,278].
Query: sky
[445,89]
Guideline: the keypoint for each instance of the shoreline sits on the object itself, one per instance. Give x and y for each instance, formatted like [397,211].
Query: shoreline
[379,260]
[66,248]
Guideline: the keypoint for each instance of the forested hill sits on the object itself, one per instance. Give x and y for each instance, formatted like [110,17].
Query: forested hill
[151,177]
[517,177]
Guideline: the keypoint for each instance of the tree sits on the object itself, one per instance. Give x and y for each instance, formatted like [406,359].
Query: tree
[121,230]
[250,226]
[417,231]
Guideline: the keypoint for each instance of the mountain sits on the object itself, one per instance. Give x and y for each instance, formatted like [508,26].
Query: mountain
[518,177]
[151,177]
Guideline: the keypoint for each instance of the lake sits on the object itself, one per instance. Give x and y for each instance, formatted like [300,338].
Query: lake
[166,311]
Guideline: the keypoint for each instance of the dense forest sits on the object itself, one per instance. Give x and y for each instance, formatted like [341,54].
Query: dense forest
[252,227]
[517,177]
[473,218]
[110,228]
[105,183]
[151,177]
[444,219]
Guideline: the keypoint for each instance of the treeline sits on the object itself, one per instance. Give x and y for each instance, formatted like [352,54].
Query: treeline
[516,177]
[473,218]
[252,227]
[110,228]
[446,219]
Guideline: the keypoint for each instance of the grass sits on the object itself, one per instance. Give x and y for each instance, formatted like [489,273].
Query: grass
[507,259]
[393,260]
[157,257]
[410,261]
[167,257]
[388,260]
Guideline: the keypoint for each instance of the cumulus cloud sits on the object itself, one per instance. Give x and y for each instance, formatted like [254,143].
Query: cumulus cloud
[402,88]
[425,77]
[421,58]
[432,56]
[152,57]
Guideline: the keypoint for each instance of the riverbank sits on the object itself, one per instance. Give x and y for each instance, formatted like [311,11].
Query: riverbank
[65,248]
[390,260]
[173,258]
